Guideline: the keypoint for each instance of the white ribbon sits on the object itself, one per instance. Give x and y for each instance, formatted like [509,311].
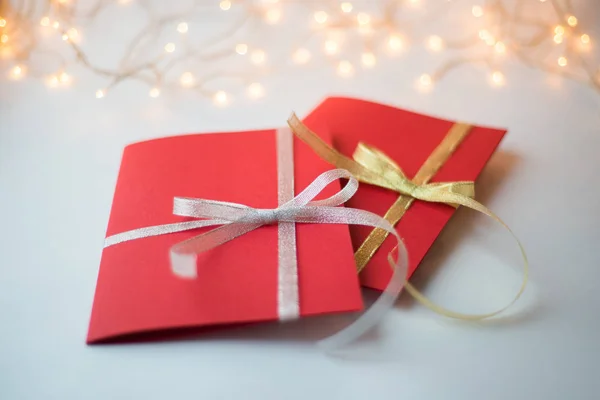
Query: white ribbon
[237,219]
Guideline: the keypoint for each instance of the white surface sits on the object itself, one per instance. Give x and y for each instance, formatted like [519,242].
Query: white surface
[59,156]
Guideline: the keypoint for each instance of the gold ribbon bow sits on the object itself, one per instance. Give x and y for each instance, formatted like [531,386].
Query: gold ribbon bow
[372,166]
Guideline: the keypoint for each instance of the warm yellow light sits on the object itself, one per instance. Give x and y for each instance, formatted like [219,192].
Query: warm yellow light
[63,1]
[2,22]
[221,98]
[301,56]
[73,34]
[490,41]
[558,38]
[4,38]
[426,80]
[321,17]
[170,47]
[484,34]
[258,56]
[273,15]
[64,77]
[435,43]
[585,38]
[186,79]
[45,21]
[56,24]
[225,5]
[497,78]
[572,20]
[477,11]
[256,90]
[182,27]
[562,61]
[65,37]
[363,18]
[241,48]
[331,47]
[100,93]
[395,42]
[346,7]
[52,81]
[414,2]
[500,47]
[559,30]
[368,59]
[154,92]
[345,69]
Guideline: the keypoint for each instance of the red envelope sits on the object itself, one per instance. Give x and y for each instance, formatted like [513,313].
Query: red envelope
[408,139]
[237,282]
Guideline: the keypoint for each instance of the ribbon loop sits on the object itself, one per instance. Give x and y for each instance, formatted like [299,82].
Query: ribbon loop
[372,166]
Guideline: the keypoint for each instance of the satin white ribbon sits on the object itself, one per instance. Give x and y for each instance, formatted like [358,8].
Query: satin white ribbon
[237,219]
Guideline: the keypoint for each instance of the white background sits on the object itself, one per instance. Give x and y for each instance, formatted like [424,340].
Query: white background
[59,156]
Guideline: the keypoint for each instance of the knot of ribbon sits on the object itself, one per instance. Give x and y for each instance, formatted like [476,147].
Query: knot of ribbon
[372,166]
[237,219]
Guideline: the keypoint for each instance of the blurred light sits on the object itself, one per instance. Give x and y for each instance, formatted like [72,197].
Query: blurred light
[241,48]
[45,21]
[301,56]
[425,80]
[562,61]
[52,81]
[64,77]
[435,43]
[395,42]
[186,79]
[221,98]
[345,69]
[273,15]
[368,59]
[258,56]
[363,18]
[170,47]
[154,92]
[477,11]
[558,39]
[497,78]
[182,27]
[585,38]
[331,47]
[256,90]
[2,22]
[572,20]
[100,93]
[56,24]
[4,38]
[225,5]
[559,30]
[346,7]
[321,17]
[500,47]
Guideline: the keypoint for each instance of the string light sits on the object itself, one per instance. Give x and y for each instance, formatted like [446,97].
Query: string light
[52,81]
[425,83]
[484,34]
[170,47]
[562,61]
[65,37]
[45,21]
[273,15]
[497,78]
[585,38]
[559,30]
[154,92]
[241,48]
[500,47]
[4,38]
[558,39]
[182,27]
[321,17]
[395,42]
[572,20]
[346,7]
[477,11]
[256,90]
[2,22]
[301,56]
[435,43]
[363,18]
[345,69]
[221,98]
[186,79]
[56,24]
[17,72]
[368,59]
[100,93]
[225,5]
[63,77]
[331,47]
[258,57]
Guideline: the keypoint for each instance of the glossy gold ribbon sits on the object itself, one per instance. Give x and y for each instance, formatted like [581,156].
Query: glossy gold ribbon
[373,167]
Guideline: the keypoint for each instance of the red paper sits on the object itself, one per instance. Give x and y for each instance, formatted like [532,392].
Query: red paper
[237,282]
[408,138]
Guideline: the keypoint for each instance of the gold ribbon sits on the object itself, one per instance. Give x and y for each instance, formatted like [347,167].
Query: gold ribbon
[372,166]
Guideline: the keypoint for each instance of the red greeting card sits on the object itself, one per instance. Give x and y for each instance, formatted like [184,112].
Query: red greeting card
[408,139]
[237,282]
